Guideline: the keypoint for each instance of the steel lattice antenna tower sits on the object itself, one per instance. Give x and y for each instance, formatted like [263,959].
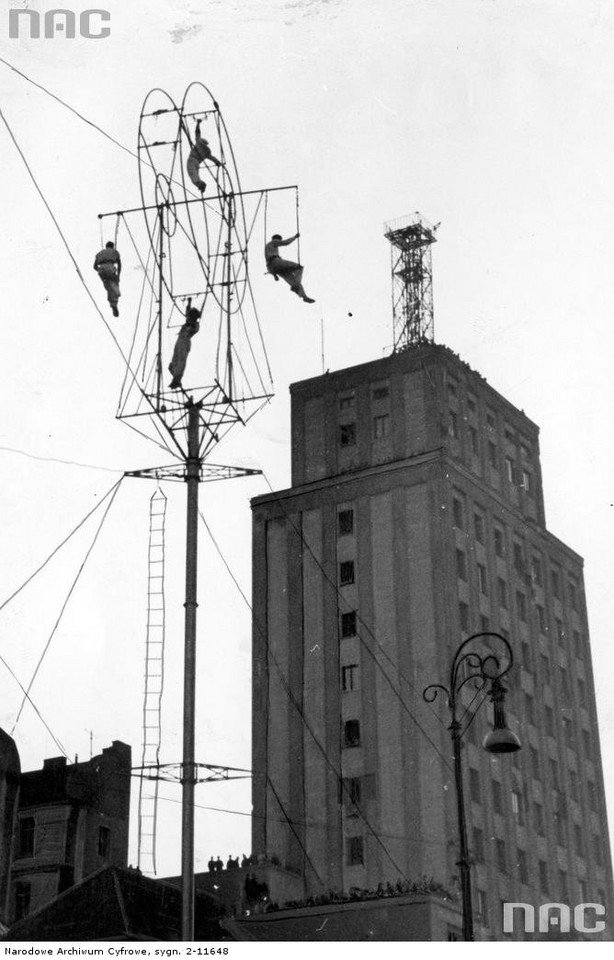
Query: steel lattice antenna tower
[412,279]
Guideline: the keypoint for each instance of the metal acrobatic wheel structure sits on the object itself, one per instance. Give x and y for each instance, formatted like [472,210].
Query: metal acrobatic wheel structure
[196,251]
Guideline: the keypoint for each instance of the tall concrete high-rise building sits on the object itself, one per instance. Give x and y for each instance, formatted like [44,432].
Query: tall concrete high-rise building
[416,518]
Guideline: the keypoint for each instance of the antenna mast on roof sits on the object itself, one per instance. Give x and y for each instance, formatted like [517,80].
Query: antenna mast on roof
[412,279]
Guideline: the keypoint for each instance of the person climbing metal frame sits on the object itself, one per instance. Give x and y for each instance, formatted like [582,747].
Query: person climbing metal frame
[198,154]
[183,344]
[289,271]
[108,266]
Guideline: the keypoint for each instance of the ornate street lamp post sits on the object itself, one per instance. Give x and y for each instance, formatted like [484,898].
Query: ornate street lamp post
[479,668]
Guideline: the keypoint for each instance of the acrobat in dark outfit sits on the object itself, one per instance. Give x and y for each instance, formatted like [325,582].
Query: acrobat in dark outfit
[289,271]
[108,266]
[198,154]
[183,345]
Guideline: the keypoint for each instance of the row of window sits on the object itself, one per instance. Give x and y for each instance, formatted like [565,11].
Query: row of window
[380,430]
[26,845]
[506,860]
[531,568]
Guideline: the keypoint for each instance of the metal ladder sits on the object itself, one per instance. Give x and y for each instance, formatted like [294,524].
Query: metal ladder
[154,684]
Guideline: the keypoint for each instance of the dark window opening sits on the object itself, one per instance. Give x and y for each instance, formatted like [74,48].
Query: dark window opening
[351,733]
[347,434]
[346,522]
[355,851]
[349,677]
[346,572]
[348,624]
[26,837]
[104,842]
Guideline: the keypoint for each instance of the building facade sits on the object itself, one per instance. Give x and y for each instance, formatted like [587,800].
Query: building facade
[416,518]
[72,821]
[10,772]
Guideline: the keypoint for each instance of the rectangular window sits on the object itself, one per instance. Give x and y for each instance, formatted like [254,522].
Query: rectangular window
[554,774]
[355,851]
[482,579]
[536,571]
[560,629]
[535,765]
[104,842]
[573,595]
[527,482]
[529,708]
[345,519]
[521,606]
[578,839]
[471,403]
[538,818]
[591,789]
[555,582]
[510,469]
[545,668]
[598,850]
[523,873]
[574,786]
[22,899]
[497,796]
[564,887]
[501,857]
[381,427]
[543,875]
[502,592]
[499,542]
[509,435]
[27,827]
[518,558]
[473,437]
[541,618]
[452,388]
[351,790]
[348,624]
[577,643]
[517,807]
[452,424]
[581,693]
[380,393]
[463,613]
[458,513]
[461,565]
[549,720]
[349,677]
[347,402]
[490,419]
[347,435]
[478,526]
[351,733]
[588,744]
[492,454]
[346,572]
[474,785]
[482,906]
[478,844]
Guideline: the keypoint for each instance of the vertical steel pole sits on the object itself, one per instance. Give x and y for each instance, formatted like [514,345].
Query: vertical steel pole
[188,769]
[463,862]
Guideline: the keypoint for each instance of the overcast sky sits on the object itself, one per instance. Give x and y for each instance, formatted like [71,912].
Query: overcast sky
[494,118]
